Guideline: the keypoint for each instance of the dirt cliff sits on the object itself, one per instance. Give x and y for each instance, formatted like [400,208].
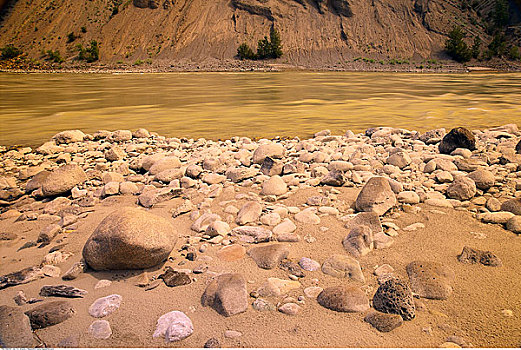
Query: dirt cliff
[312,31]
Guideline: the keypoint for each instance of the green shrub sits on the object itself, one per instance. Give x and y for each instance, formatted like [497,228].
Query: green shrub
[275,43]
[244,52]
[89,54]
[83,30]
[139,63]
[54,56]
[71,37]
[500,13]
[10,51]
[498,45]
[456,47]
[476,47]
[514,54]
[263,49]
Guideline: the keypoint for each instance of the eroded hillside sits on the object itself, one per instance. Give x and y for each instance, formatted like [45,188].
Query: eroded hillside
[312,30]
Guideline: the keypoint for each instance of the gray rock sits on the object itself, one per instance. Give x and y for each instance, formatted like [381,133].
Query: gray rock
[263,305]
[174,326]
[100,329]
[430,280]
[463,188]
[48,233]
[395,297]
[129,238]
[49,314]
[376,196]
[344,299]
[359,241]
[105,306]
[475,256]
[240,174]
[343,266]
[256,234]
[334,178]
[309,264]
[271,167]
[269,256]
[292,268]
[74,271]
[15,328]
[227,294]
[383,322]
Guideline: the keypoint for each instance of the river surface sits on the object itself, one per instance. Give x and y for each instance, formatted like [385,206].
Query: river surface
[34,107]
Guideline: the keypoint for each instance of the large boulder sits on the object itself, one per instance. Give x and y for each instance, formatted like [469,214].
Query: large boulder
[483,178]
[376,196]
[129,238]
[62,180]
[272,150]
[463,188]
[457,138]
[15,328]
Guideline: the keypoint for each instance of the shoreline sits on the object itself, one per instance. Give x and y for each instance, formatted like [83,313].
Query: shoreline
[239,235]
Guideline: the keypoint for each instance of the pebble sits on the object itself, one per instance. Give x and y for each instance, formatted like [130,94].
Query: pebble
[232,334]
[290,308]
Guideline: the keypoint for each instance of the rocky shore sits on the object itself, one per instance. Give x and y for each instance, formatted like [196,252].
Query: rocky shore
[389,238]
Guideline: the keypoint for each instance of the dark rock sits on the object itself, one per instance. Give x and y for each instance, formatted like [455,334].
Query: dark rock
[227,294]
[20,277]
[475,256]
[27,245]
[154,4]
[173,278]
[395,297]
[512,205]
[382,321]
[129,238]
[344,299]
[141,3]
[49,314]
[292,268]
[457,138]
[342,7]
[15,329]
[269,256]
[271,167]
[191,256]
[430,280]
[212,343]
[62,291]
[518,147]
[432,136]
[333,178]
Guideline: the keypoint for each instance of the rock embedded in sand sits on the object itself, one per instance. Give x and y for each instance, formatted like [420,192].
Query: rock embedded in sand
[500,217]
[269,256]
[174,278]
[376,196]
[277,287]
[343,266]
[100,329]
[344,299]
[15,328]
[263,305]
[290,308]
[105,306]
[431,280]
[212,343]
[232,252]
[383,322]
[308,216]
[514,224]
[129,238]
[74,271]
[457,138]
[62,180]
[252,233]
[463,188]
[49,314]
[62,291]
[359,241]
[26,275]
[473,256]
[334,178]
[174,326]
[395,297]
[313,291]
[226,294]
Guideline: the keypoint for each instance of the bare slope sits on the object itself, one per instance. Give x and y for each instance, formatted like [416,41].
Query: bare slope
[313,31]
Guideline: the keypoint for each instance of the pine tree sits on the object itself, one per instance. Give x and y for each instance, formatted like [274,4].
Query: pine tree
[275,43]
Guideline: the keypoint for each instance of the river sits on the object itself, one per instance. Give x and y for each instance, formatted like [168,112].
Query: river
[33,107]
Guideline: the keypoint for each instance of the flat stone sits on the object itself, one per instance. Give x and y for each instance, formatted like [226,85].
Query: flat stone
[272,150]
[62,291]
[277,287]
[263,305]
[102,284]
[269,256]
[174,326]
[430,280]
[285,227]
[395,297]
[227,294]
[249,213]
[408,197]
[500,217]
[383,322]
[15,328]
[474,256]
[313,292]
[232,252]
[100,329]
[344,299]
[257,234]
[105,306]
[26,275]
[231,334]
[343,266]
[49,314]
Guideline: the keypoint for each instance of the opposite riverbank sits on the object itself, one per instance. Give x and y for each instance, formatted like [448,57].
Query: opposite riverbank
[399,238]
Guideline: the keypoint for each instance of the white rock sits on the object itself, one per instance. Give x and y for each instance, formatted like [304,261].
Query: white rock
[105,306]
[174,326]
